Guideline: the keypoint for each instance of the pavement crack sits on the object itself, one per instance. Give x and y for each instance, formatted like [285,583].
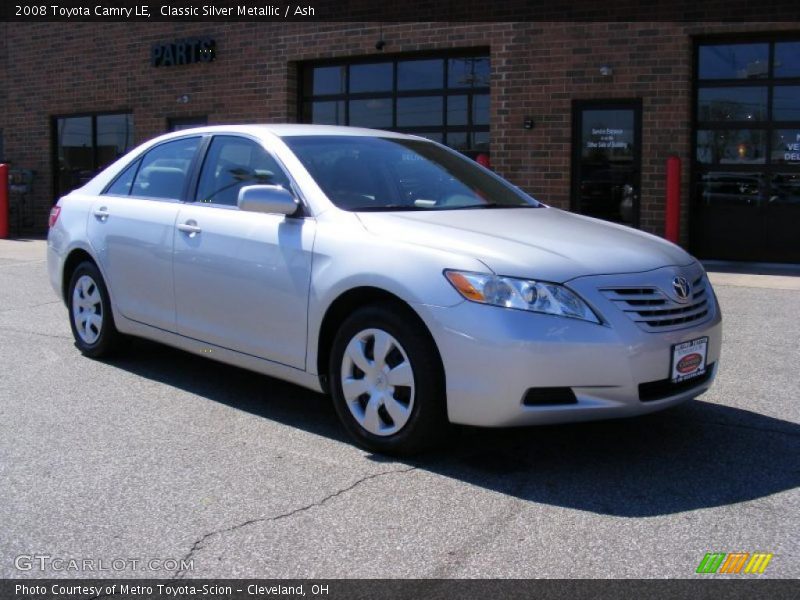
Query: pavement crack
[200,543]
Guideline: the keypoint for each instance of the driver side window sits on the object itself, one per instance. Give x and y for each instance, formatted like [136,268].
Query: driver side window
[232,163]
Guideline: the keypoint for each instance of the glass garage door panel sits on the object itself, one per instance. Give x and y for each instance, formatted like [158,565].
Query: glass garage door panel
[782,213]
[733,202]
[746,158]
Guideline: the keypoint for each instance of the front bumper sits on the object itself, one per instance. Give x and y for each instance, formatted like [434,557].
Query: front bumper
[492,356]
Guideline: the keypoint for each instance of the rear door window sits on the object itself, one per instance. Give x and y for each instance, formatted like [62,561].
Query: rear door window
[164,170]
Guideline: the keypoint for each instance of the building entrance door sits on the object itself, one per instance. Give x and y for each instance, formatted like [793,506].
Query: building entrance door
[606,159]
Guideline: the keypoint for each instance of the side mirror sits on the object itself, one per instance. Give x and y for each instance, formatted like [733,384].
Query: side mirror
[272,199]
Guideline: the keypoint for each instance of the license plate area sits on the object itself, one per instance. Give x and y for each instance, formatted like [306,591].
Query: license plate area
[688,359]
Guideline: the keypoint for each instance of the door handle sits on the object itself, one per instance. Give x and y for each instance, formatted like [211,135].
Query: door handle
[189,227]
[101,213]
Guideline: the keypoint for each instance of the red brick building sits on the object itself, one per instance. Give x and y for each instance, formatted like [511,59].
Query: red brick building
[582,115]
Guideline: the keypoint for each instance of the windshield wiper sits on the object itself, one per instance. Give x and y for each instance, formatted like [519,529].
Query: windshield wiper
[492,205]
[388,208]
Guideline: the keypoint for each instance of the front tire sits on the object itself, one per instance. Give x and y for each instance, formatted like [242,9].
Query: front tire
[387,382]
[90,315]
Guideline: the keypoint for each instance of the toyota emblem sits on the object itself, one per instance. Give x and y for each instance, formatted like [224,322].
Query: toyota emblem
[682,289]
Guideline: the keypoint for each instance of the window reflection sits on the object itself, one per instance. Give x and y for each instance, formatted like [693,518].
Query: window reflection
[468,72]
[75,152]
[233,163]
[785,189]
[124,182]
[787,59]
[457,140]
[480,141]
[164,169]
[424,110]
[420,74]
[375,112]
[732,104]
[457,110]
[724,188]
[326,80]
[734,61]
[786,103]
[375,77]
[325,112]
[731,146]
[114,137]
[480,109]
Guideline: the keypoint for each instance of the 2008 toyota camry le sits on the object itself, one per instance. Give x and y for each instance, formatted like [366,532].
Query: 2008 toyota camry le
[414,285]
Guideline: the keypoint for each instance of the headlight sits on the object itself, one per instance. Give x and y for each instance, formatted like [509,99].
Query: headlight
[522,294]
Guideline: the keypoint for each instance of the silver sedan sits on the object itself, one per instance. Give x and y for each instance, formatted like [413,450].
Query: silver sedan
[415,286]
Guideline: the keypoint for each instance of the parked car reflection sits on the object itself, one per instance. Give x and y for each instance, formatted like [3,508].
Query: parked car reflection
[731,188]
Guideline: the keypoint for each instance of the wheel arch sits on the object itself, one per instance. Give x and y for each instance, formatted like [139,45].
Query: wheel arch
[74,258]
[348,302]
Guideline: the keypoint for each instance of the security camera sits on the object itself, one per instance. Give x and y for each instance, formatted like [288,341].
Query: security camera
[380,45]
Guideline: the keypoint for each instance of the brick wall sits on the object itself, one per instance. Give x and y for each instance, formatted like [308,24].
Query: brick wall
[538,69]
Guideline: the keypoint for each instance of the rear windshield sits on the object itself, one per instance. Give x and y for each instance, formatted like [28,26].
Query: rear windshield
[386,174]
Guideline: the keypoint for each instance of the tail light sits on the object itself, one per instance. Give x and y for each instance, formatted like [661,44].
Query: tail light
[54,212]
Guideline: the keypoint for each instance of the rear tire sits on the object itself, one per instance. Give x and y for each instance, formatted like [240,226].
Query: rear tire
[90,315]
[387,382]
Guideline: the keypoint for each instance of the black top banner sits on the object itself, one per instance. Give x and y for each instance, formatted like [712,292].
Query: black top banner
[408,10]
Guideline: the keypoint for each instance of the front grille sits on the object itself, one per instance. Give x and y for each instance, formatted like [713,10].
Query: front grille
[664,388]
[653,310]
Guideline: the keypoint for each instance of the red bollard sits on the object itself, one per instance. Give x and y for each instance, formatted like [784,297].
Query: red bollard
[3,202]
[672,217]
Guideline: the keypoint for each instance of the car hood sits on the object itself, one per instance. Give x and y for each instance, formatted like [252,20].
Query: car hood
[542,243]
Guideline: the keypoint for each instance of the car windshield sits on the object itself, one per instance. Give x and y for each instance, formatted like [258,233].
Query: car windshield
[390,174]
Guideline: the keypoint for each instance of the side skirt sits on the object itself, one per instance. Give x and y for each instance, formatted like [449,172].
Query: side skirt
[218,353]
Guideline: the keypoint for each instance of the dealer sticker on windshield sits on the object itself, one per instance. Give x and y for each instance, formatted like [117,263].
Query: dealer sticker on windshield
[689,359]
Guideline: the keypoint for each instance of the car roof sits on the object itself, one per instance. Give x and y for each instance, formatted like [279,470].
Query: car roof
[291,130]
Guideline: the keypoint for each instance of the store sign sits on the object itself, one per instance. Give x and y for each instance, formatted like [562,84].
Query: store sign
[792,153]
[607,137]
[183,52]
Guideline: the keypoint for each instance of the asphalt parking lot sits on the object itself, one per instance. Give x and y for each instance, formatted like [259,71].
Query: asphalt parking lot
[159,454]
